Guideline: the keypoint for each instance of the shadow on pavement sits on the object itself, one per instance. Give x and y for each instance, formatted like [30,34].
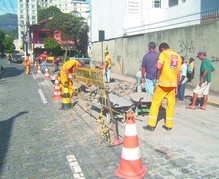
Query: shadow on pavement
[6,127]
[11,71]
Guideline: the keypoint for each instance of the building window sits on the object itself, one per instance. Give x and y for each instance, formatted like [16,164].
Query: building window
[156,3]
[173,3]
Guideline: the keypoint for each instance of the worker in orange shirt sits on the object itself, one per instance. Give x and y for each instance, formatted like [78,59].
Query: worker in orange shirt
[66,72]
[43,61]
[169,64]
[27,61]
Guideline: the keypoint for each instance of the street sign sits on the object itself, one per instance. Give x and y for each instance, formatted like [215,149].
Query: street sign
[26,38]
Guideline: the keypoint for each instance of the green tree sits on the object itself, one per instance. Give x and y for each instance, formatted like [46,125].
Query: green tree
[52,46]
[9,45]
[48,12]
[72,27]
[2,37]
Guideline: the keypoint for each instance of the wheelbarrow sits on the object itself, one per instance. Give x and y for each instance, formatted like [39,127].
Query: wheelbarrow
[142,102]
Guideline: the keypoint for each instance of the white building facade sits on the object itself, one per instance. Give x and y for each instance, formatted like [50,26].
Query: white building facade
[130,17]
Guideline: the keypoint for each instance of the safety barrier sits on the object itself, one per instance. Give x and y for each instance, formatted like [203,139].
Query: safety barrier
[89,76]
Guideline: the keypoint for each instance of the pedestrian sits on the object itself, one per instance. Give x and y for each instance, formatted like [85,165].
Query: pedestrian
[191,69]
[107,66]
[182,81]
[56,64]
[169,64]
[206,70]
[66,72]
[149,71]
[9,58]
[43,61]
[27,62]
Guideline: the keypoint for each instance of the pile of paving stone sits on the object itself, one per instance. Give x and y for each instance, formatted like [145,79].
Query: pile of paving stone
[122,88]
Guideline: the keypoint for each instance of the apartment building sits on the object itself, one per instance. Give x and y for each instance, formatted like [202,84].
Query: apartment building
[130,17]
[27,11]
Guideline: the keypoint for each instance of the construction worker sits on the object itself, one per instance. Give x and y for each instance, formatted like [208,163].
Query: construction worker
[66,72]
[107,66]
[170,64]
[9,58]
[27,61]
[43,60]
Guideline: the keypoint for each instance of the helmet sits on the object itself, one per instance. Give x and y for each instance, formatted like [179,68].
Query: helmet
[106,51]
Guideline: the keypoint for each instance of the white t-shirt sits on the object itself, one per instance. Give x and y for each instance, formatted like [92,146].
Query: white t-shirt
[183,72]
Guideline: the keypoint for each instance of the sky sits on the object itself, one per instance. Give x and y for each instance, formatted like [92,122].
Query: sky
[8,6]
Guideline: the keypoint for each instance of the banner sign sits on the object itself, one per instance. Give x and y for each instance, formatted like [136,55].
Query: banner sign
[90,76]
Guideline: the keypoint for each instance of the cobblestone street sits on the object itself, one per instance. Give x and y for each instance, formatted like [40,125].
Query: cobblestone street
[39,140]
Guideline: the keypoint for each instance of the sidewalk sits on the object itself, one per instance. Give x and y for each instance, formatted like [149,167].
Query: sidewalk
[213,99]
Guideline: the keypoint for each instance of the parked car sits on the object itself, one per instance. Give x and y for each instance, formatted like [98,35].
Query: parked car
[17,58]
[81,57]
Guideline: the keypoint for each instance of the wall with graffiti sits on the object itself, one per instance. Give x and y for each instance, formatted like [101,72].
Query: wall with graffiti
[127,52]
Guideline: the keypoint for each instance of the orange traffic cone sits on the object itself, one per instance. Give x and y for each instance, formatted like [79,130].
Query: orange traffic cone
[39,70]
[46,76]
[130,162]
[57,89]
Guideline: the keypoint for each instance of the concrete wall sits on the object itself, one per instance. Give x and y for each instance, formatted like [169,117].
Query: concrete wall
[127,52]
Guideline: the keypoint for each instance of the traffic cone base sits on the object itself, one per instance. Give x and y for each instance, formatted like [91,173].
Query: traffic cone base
[117,142]
[130,163]
[130,169]
[66,101]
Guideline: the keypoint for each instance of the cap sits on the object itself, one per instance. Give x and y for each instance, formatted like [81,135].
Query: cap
[201,53]
[106,51]
[151,45]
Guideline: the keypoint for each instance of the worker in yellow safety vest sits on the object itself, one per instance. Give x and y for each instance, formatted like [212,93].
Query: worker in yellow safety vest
[66,72]
[27,61]
[107,66]
[169,64]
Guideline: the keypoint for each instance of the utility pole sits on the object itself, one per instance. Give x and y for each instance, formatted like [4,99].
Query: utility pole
[27,42]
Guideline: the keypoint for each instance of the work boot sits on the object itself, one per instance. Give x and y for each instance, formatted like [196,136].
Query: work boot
[167,128]
[149,128]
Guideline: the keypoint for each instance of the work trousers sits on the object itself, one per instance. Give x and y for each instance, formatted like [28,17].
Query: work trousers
[159,94]
[64,78]
[181,92]
[150,85]
[43,65]
[27,69]
[107,75]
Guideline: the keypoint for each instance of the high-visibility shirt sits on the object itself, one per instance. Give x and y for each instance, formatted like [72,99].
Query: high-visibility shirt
[70,65]
[171,62]
[27,60]
[108,61]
